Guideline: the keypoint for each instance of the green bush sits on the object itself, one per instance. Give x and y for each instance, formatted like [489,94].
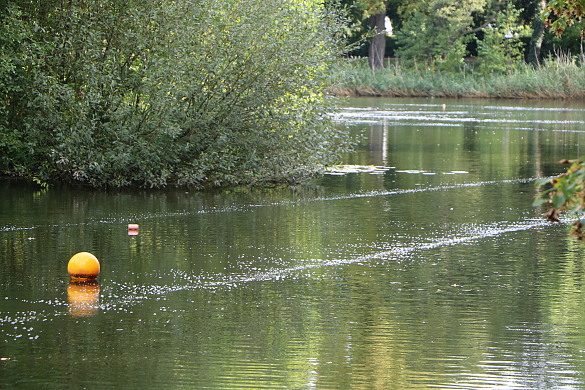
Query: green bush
[501,48]
[434,35]
[128,92]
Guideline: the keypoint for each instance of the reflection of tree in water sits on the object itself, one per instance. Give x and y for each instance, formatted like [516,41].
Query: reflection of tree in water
[470,142]
[379,142]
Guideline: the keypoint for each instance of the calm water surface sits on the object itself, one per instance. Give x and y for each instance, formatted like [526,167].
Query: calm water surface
[434,272]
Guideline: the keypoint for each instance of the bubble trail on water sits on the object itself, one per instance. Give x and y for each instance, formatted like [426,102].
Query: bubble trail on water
[251,207]
[126,295]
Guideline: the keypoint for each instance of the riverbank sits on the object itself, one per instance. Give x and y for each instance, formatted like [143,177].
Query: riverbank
[555,79]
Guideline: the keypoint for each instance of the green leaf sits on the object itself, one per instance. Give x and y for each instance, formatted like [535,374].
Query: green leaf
[539,201]
[558,200]
[543,181]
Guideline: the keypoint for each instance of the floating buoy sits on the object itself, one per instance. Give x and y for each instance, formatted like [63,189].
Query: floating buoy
[83,266]
[132,229]
[83,298]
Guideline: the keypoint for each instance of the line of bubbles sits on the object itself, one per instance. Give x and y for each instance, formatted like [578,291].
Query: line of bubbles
[251,207]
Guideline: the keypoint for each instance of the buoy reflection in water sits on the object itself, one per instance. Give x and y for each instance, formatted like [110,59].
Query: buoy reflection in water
[83,298]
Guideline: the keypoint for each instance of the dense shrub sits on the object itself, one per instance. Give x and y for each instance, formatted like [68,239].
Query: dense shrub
[150,93]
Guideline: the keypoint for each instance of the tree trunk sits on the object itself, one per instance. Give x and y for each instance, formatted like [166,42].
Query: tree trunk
[378,43]
[537,34]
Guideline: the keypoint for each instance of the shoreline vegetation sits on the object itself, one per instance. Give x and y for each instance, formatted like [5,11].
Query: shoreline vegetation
[153,101]
[561,77]
[153,94]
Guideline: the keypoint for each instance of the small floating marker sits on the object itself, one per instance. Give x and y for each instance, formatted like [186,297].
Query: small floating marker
[132,229]
[83,266]
[444,107]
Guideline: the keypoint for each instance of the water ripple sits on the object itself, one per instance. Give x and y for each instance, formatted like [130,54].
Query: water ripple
[250,207]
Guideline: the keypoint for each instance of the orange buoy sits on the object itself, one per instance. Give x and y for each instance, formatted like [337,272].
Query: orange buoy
[83,266]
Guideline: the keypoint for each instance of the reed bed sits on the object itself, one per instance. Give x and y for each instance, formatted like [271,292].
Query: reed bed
[558,78]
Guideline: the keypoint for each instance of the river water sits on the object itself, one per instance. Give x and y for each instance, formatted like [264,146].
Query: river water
[431,271]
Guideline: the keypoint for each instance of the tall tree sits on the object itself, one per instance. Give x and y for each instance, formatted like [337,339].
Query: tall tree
[368,18]
[377,49]
[538,28]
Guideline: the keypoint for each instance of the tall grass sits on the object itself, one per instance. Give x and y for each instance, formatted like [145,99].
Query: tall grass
[560,77]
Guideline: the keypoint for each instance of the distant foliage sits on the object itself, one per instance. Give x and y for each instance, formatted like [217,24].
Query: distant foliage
[435,35]
[152,93]
[501,47]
